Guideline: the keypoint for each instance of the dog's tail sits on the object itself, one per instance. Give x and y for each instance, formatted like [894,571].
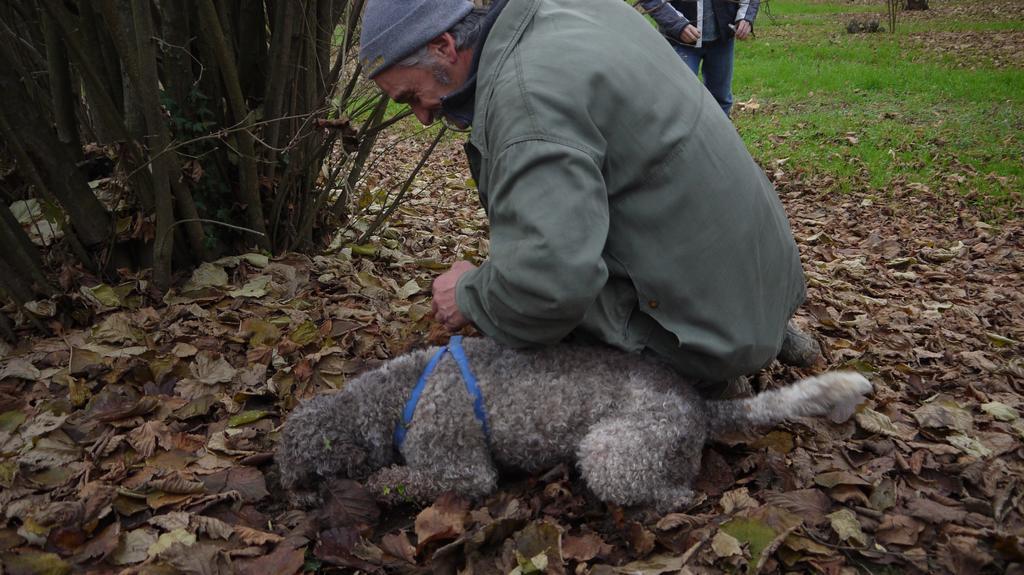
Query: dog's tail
[836,394]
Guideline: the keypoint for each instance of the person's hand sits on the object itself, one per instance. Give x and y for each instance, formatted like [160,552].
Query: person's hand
[743,30]
[445,310]
[690,34]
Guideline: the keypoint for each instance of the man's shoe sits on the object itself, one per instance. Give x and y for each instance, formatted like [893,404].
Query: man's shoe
[738,388]
[735,388]
[798,348]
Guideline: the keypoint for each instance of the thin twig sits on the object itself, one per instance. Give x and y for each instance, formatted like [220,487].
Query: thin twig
[163,238]
[405,188]
[385,152]
[219,134]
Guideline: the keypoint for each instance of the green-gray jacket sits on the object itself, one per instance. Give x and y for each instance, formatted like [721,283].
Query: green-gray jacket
[622,202]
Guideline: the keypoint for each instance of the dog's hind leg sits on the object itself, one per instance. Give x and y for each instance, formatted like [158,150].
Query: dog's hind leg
[649,457]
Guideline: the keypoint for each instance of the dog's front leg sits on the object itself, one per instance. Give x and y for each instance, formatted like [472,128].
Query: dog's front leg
[400,484]
[448,458]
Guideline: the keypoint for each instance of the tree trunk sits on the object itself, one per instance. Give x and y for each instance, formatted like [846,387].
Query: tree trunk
[13,282]
[32,173]
[365,147]
[36,145]
[95,56]
[223,65]
[107,112]
[61,92]
[249,191]
[273,97]
[148,85]
[324,35]
[89,61]
[251,37]
[176,28]
[21,252]
[118,17]
[106,52]
[28,41]
[155,137]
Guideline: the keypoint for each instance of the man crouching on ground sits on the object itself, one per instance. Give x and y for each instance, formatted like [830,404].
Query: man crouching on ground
[623,206]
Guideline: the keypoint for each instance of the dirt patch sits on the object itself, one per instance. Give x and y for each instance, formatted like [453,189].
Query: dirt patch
[994,49]
[970,11]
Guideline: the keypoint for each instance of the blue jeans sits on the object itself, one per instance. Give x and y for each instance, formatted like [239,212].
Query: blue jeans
[717,68]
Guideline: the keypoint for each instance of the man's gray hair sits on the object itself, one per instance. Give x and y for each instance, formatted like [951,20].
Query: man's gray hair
[466,33]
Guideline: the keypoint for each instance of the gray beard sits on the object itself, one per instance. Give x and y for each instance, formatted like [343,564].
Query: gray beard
[440,74]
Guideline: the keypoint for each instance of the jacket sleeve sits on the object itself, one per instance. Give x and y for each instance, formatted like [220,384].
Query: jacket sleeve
[748,10]
[670,21]
[548,211]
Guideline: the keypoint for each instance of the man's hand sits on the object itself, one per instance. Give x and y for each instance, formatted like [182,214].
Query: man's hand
[690,34]
[445,310]
[743,30]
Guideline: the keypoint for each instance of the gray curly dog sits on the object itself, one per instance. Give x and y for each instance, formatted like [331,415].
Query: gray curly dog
[633,427]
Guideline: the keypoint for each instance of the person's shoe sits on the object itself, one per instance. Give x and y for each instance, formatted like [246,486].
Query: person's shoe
[735,388]
[798,348]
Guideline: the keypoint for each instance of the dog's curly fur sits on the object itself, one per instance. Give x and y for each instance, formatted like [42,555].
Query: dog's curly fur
[632,425]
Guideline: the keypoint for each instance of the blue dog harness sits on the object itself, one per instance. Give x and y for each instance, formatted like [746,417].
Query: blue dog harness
[455,348]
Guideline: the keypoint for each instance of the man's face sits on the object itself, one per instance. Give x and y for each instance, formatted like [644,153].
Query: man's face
[420,87]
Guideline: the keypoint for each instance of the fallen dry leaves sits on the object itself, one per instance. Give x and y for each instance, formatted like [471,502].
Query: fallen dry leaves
[144,443]
[971,49]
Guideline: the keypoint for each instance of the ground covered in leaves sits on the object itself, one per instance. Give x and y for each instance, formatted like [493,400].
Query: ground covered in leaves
[993,47]
[144,444]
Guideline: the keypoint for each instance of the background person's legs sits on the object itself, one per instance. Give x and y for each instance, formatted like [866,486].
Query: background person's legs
[690,55]
[717,71]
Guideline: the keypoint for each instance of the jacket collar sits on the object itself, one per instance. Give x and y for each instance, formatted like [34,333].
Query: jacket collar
[458,105]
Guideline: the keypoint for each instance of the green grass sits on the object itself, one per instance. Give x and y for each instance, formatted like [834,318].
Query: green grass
[876,62]
[871,110]
[771,8]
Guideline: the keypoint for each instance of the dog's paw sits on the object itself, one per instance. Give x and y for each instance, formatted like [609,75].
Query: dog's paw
[393,486]
[678,499]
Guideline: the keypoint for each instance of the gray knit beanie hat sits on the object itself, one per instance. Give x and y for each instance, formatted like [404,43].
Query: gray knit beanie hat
[394,29]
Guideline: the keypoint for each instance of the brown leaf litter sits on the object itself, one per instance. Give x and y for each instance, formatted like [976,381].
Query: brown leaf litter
[144,444]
